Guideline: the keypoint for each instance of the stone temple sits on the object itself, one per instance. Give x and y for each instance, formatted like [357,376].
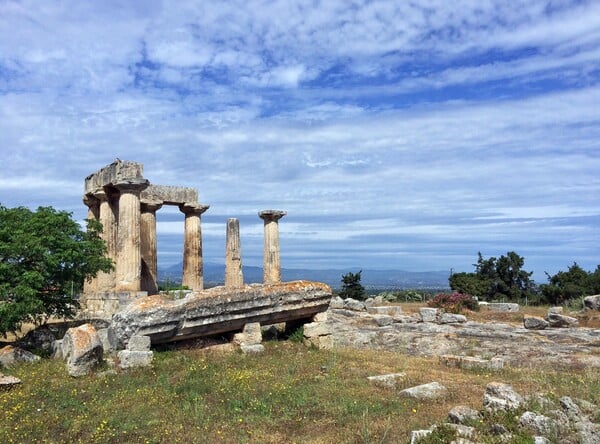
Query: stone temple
[126,203]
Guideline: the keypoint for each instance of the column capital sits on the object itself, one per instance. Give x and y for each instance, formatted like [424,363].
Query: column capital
[193,208]
[133,186]
[90,200]
[271,215]
[151,206]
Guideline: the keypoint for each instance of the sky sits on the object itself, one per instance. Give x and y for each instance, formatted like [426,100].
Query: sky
[396,134]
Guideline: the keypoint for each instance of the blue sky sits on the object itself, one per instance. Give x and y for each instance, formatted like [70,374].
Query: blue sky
[397,135]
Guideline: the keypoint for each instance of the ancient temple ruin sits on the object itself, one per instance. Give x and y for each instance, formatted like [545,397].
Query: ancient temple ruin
[126,203]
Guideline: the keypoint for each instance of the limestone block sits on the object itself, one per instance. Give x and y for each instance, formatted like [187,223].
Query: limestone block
[250,335]
[353,304]
[139,343]
[534,323]
[320,342]
[500,396]
[7,382]
[538,424]
[431,390]
[592,302]
[390,310]
[504,307]
[252,349]
[313,329]
[369,302]
[82,349]
[386,381]
[336,302]
[320,317]
[470,362]
[108,339]
[10,355]
[557,320]
[428,314]
[133,359]
[461,414]
[383,320]
[452,318]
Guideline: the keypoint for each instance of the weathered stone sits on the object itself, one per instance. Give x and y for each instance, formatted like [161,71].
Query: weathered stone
[540,440]
[452,318]
[428,314]
[378,300]
[10,355]
[500,396]
[138,343]
[320,342]
[470,362]
[82,350]
[538,424]
[534,323]
[555,310]
[38,338]
[383,320]
[252,349]
[57,350]
[390,310]
[386,381]
[219,310]
[416,435]
[108,339]
[592,302]
[7,382]
[313,329]
[505,307]
[336,302]
[431,390]
[561,321]
[250,335]
[353,304]
[193,277]
[234,277]
[461,414]
[134,359]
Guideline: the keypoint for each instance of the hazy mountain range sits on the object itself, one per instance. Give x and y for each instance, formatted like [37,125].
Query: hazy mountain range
[384,279]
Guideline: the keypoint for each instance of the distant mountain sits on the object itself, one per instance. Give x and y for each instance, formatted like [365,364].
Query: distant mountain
[383,279]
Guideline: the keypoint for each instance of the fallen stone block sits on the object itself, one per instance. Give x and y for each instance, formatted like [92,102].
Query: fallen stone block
[250,335]
[252,349]
[386,381]
[500,396]
[108,339]
[10,355]
[557,320]
[452,318]
[353,304]
[134,359]
[503,307]
[416,435]
[383,320]
[138,343]
[428,314]
[471,362]
[461,414]
[431,390]
[313,329]
[390,310]
[336,302]
[320,342]
[534,323]
[82,350]
[539,424]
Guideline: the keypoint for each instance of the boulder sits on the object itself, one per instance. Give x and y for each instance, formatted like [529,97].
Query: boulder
[386,381]
[500,396]
[557,320]
[431,390]
[539,424]
[10,355]
[592,302]
[82,349]
[461,414]
[534,323]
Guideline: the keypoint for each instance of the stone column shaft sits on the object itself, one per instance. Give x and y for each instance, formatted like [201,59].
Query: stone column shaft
[193,275]
[234,277]
[129,261]
[108,219]
[271,255]
[148,245]
[93,204]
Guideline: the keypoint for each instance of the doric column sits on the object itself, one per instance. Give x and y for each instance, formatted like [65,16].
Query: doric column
[129,261]
[108,219]
[148,245]
[93,204]
[193,276]
[234,277]
[271,260]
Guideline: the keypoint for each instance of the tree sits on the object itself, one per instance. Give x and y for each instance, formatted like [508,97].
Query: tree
[502,278]
[44,258]
[570,284]
[351,286]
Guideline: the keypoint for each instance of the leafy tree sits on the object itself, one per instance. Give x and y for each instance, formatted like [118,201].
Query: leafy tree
[44,258]
[351,286]
[570,284]
[501,278]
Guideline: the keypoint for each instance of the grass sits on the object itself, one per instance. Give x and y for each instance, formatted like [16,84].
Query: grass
[289,394]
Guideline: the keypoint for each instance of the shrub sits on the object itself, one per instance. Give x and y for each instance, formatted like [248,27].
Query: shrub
[454,303]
